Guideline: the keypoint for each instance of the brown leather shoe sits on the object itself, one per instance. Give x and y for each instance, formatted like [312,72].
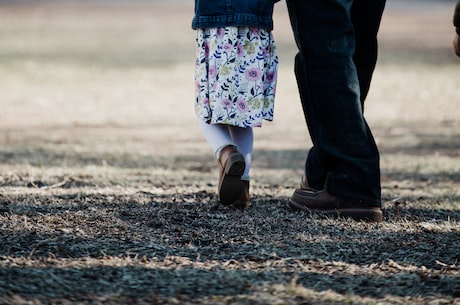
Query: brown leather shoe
[245,199]
[322,202]
[231,167]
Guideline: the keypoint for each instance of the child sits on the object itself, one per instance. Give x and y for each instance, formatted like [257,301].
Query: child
[235,75]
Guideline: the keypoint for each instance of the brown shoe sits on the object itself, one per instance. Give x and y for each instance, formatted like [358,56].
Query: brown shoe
[324,203]
[231,167]
[245,199]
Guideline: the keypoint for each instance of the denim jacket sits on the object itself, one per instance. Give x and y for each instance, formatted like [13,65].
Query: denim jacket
[221,13]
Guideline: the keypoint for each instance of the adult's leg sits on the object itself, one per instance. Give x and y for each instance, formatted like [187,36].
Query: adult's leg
[315,170]
[366,16]
[330,93]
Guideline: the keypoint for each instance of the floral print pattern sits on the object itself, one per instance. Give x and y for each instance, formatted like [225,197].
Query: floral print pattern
[235,76]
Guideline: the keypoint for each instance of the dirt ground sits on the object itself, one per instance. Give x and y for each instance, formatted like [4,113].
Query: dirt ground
[107,187]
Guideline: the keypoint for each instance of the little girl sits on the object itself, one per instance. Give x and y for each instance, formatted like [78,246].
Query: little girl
[235,76]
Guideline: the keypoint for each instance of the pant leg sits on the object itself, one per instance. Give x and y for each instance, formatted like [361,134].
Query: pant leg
[366,16]
[330,93]
[314,169]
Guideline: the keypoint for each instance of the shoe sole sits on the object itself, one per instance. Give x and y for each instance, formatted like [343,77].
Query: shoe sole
[231,187]
[371,214]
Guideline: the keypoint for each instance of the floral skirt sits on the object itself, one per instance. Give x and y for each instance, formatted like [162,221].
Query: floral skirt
[235,76]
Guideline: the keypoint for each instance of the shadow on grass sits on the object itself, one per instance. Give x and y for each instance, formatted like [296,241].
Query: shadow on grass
[139,282]
[266,159]
[145,224]
[219,251]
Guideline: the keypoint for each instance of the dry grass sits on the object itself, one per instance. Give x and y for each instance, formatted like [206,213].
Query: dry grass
[108,189]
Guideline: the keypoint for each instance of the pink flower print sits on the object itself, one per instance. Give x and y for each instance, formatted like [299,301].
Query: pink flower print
[228,47]
[227,103]
[220,32]
[212,72]
[206,49]
[197,86]
[270,76]
[242,105]
[263,52]
[239,50]
[256,32]
[253,74]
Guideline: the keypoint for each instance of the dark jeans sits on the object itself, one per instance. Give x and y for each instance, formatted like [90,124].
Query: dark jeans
[337,54]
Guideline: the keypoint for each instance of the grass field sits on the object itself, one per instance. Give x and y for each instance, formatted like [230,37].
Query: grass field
[107,187]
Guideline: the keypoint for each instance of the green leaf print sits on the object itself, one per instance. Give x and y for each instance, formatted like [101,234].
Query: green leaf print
[224,70]
[267,103]
[249,48]
[254,103]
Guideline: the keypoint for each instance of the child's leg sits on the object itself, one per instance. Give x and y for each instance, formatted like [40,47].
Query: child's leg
[230,161]
[218,136]
[244,140]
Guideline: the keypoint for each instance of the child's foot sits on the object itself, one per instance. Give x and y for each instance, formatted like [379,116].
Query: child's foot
[244,200]
[231,167]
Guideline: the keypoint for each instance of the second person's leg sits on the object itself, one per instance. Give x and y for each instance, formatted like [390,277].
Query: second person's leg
[330,93]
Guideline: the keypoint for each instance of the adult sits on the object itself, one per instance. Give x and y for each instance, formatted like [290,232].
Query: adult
[337,42]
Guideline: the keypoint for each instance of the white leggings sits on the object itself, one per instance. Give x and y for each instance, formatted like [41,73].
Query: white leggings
[219,136]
